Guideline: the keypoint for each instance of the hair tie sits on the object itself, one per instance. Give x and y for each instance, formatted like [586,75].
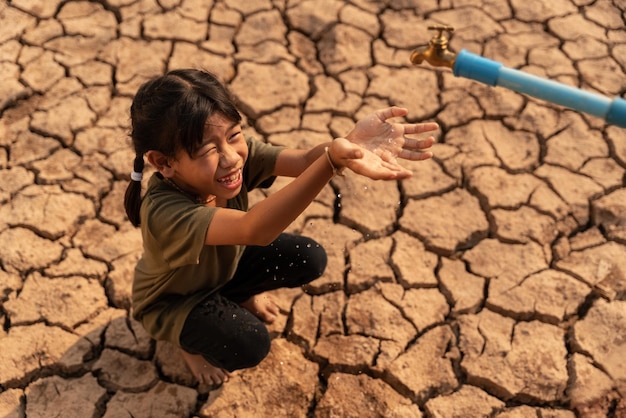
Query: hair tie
[136,176]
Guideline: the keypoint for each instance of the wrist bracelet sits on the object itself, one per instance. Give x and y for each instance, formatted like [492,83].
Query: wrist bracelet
[336,171]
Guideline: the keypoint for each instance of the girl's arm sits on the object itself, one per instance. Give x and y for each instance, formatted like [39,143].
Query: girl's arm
[292,162]
[267,219]
[382,142]
[372,151]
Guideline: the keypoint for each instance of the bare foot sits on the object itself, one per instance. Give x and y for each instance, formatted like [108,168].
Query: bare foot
[263,306]
[204,371]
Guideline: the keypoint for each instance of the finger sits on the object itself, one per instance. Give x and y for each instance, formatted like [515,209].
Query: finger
[355,152]
[395,167]
[396,173]
[385,175]
[419,128]
[415,155]
[381,170]
[389,156]
[385,155]
[418,144]
[391,112]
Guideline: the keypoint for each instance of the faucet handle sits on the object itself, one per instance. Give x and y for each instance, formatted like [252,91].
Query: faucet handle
[441,29]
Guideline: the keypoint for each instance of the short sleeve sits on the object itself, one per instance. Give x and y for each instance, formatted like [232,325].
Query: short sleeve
[177,228]
[261,163]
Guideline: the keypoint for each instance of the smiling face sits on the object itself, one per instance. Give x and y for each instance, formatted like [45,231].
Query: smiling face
[216,167]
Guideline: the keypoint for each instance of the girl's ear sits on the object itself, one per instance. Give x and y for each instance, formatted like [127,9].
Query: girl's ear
[161,162]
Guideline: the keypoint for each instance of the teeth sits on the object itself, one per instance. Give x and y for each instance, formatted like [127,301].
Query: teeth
[230,179]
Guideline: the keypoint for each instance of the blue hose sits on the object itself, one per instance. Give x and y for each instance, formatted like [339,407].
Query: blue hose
[493,73]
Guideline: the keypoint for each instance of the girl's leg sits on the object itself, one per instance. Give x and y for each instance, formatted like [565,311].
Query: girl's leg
[225,334]
[290,261]
[225,331]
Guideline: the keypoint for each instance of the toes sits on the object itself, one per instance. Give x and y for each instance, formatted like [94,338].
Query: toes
[273,308]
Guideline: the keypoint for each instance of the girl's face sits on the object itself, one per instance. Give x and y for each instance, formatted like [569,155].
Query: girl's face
[216,168]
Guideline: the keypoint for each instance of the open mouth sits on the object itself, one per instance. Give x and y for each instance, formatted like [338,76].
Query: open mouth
[231,179]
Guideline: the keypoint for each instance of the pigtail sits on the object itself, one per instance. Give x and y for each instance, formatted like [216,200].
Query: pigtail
[132,197]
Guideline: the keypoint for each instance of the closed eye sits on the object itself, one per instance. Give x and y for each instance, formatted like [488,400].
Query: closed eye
[235,136]
[206,150]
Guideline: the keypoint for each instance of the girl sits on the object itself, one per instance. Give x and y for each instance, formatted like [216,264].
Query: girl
[208,259]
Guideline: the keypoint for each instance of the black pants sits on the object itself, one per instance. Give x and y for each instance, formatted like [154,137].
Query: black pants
[229,336]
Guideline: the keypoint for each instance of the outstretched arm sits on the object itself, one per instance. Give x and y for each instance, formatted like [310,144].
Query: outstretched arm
[372,149]
[382,143]
[268,218]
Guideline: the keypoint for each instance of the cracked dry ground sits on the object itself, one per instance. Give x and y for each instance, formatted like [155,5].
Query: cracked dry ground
[491,284]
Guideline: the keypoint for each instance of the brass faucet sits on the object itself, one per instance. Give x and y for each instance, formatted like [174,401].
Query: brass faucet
[436,52]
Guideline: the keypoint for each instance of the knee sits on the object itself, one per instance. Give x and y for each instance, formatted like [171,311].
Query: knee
[250,349]
[316,258]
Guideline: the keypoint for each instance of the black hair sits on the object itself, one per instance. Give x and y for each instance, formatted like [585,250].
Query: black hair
[168,114]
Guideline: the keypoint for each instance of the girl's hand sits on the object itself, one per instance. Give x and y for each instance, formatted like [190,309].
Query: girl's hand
[384,142]
[344,153]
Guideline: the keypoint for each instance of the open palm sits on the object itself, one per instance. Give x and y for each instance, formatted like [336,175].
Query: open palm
[383,142]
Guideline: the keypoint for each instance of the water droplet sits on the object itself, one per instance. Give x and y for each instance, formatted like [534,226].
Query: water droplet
[308,245]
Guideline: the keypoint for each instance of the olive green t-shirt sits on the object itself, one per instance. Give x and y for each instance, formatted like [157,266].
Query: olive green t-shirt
[177,270]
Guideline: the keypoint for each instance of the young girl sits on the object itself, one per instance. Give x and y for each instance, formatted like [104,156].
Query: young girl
[208,259]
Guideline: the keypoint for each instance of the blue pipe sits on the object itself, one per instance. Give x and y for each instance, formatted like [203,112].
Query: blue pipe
[493,73]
